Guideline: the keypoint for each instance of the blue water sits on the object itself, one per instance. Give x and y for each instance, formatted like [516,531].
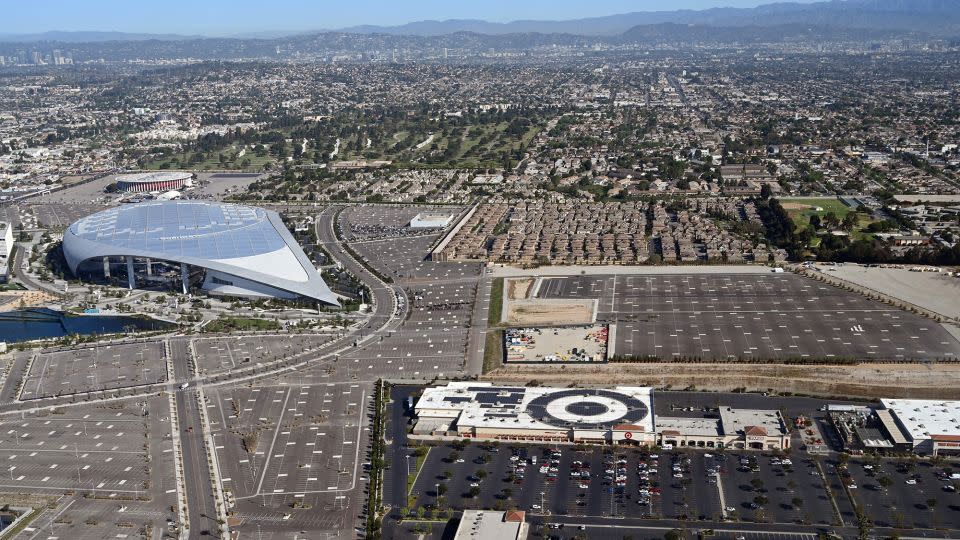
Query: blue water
[29,324]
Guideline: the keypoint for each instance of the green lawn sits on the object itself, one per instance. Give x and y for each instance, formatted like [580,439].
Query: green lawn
[182,161]
[825,206]
[822,207]
[496,302]
[224,324]
[412,475]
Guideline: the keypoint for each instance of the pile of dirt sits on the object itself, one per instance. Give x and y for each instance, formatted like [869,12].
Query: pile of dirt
[869,380]
[546,312]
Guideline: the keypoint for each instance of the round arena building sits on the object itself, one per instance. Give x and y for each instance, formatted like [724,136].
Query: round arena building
[153,181]
[228,249]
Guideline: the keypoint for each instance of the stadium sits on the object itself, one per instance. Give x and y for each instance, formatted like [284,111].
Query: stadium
[153,181]
[230,250]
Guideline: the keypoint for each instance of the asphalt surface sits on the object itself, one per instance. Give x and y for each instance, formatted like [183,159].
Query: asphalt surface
[201,503]
[779,316]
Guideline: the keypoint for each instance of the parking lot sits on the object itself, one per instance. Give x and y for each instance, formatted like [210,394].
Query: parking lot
[116,458]
[590,481]
[95,368]
[284,450]
[405,259]
[899,493]
[751,316]
[433,338]
[380,234]
[217,354]
[380,221]
[781,490]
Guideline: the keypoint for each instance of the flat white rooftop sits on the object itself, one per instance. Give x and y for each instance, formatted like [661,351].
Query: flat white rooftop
[487,525]
[431,220]
[698,427]
[482,405]
[925,417]
[734,421]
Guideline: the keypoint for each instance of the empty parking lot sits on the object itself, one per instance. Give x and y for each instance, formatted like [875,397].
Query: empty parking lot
[777,316]
[95,368]
[292,447]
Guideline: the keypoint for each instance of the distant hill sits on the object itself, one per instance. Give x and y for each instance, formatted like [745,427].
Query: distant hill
[701,33]
[940,17]
[821,21]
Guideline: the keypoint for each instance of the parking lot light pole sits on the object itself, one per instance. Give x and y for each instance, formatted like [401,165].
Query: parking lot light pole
[76,451]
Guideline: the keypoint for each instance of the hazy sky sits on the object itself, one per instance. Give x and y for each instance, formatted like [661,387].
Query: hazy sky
[218,17]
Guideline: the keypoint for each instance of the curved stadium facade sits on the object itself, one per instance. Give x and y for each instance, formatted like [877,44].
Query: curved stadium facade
[235,250]
[152,181]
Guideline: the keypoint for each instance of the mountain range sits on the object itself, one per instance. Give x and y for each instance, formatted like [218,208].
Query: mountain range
[930,16]
[934,18]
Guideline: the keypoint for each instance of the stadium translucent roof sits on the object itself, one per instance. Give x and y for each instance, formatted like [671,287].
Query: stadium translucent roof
[251,243]
[190,229]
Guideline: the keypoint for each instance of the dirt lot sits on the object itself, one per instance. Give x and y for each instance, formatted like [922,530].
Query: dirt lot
[795,206]
[921,381]
[930,290]
[545,312]
[518,289]
[10,301]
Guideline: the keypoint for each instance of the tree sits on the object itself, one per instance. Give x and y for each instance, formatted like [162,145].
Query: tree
[797,502]
[480,474]
[474,492]
[766,192]
[885,482]
[850,221]
[931,504]
[674,534]
[757,484]
[441,490]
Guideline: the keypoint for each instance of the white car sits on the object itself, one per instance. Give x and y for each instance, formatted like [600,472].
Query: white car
[474,484]
[460,460]
[911,481]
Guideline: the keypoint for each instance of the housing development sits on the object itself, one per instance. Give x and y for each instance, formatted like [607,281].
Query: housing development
[685,275]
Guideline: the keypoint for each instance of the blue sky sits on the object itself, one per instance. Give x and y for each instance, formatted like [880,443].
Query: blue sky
[221,17]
